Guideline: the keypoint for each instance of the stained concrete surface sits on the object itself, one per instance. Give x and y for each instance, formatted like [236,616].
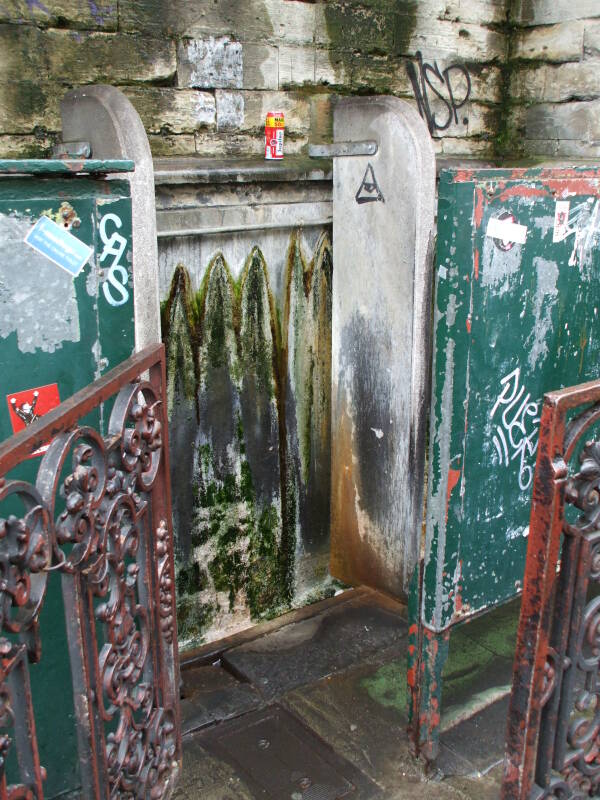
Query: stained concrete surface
[354,708]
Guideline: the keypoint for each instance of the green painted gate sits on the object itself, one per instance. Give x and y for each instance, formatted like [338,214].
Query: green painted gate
[516,315]
[58,332]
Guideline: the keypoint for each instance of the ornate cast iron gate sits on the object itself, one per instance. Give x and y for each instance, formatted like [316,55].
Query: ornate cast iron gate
[553,739]
[100,515]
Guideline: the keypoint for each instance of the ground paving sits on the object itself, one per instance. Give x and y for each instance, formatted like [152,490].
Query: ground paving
[316,710]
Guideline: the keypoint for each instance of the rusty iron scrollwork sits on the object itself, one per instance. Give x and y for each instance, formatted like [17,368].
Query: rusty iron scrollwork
[99,516]
[553,741]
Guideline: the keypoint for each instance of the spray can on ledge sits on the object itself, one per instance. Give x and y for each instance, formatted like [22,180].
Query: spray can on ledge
[274,130]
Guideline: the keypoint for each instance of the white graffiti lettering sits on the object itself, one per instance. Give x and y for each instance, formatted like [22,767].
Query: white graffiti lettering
[516,435]
[115,246]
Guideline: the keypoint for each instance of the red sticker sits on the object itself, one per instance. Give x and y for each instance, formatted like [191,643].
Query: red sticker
[31,404]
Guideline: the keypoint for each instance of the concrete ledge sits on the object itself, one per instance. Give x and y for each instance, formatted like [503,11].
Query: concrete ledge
[234,170]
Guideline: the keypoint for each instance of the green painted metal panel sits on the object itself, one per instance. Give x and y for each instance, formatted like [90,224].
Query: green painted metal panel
[516,315]
[64,166]
[56,329]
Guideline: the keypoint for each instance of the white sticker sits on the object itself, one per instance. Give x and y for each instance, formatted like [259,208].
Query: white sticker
[507,231]
[561,221]
[442,272]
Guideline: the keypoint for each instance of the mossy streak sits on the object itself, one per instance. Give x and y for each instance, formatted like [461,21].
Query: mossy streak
[228,351]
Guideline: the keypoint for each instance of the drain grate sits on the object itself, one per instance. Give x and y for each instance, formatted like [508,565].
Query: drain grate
[279,758]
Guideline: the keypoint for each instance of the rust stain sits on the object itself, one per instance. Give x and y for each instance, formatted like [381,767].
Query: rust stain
[476,264]
[411,673]
[453,478]
[523,190]
[576,185]
[569,173]
[353,560]
[478,210]
[468,323]
[463,175]
[458,601]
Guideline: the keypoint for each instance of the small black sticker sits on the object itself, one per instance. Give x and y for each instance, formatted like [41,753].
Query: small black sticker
[369,191]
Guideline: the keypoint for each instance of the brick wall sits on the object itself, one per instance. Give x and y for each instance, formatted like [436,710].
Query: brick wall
[203,74]
[555,77]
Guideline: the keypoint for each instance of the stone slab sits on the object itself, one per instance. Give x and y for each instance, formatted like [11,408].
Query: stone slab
[574,80]
[381,322]
[476,745]
[546,12]
[560,42]
[101,14]
[473,679]
[173,110]
[306,651]
[278,756]
[211,695]
[207,777]
[103,116]
[242,170]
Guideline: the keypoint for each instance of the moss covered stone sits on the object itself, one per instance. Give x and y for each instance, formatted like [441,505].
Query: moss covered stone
[226,347]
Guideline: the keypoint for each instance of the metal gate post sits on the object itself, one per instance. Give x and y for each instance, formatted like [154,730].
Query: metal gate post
[553,734]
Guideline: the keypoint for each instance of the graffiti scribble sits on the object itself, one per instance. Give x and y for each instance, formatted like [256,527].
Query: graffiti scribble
[516,435]
[443,85]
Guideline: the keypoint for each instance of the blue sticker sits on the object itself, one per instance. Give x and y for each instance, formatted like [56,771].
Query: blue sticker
[60,246]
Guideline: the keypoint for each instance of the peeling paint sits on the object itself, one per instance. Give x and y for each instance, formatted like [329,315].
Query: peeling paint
[543,303]
[31,293]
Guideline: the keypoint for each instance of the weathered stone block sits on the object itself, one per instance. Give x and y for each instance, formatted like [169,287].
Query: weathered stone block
[168,145]
[27,105]
[453,41]
[380,323]
[547,12]
[36,146]
[561,42]
[22,55]
[296,66]
[171,110]
[291,21]
[591,39]
[296,110]
[472,148]
[107,58]
[483,12]
[261,66]
[321,118]
[98,15]
[390,76]
[332,68]
[578,121]
[210,63]
[347,27]
[380,75]
[573,80]
[247,20]
[480,12]
[560,148]
[389,29]
[230,110]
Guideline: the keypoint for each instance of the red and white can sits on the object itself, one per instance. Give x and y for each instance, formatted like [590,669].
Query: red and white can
[274,130]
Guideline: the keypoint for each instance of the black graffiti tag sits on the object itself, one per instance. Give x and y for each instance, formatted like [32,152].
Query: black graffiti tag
[430,79]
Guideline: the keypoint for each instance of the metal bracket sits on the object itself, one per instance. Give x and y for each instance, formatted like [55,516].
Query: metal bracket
[367,148]
[72,150]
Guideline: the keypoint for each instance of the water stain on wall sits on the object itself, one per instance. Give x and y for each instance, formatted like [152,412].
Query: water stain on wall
[249,409]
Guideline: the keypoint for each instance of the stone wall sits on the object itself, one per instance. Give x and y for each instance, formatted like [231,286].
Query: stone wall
[554,78]
[203,74]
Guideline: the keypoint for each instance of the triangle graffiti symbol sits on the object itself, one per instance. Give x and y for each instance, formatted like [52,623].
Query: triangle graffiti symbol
[369,191]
